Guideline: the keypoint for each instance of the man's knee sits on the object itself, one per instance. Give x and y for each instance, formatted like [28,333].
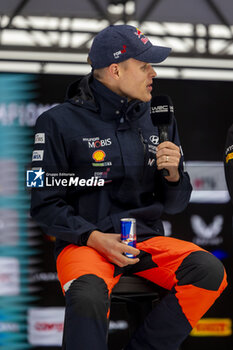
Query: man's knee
[88,297]
[202,270]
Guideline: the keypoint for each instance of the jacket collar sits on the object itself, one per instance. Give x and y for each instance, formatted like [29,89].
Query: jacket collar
[113,106]
[90,93]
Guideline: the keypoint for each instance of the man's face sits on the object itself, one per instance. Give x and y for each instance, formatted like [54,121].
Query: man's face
[136,79]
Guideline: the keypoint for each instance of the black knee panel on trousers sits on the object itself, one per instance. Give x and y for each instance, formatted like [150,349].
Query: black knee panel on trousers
[86,323]
[88,297]
[201,269]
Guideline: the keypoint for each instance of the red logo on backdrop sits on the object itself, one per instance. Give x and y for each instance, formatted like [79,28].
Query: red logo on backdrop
[46,326]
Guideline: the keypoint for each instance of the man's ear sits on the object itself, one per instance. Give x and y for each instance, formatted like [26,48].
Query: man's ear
[114,71]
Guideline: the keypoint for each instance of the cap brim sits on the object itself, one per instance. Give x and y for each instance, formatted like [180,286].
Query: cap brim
[155,54]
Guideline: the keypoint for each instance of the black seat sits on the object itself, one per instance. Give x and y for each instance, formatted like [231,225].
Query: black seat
[134,286]
[139,296]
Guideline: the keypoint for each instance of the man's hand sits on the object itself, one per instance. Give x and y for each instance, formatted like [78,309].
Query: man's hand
[110,246]
[168,157]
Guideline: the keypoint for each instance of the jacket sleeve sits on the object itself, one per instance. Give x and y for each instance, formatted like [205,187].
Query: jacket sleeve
[176,196]
[49,207]
[228,161]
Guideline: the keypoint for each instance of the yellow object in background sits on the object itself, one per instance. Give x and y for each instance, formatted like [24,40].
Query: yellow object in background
[212,327]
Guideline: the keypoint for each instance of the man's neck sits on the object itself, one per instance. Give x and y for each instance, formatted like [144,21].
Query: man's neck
[112,87]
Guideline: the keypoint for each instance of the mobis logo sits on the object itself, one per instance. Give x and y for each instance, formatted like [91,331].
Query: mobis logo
[100,143]
[95,142]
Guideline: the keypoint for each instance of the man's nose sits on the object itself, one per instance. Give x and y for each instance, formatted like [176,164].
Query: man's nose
[153,72]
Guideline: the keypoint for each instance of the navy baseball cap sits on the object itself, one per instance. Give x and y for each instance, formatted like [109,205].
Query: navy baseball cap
[118,43]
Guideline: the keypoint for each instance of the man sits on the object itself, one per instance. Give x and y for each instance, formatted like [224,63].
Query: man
[228,161]
[104,130]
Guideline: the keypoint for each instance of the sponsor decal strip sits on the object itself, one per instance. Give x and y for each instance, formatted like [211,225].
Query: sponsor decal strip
[40,138]
[37,155]
[102,164]
[213,327]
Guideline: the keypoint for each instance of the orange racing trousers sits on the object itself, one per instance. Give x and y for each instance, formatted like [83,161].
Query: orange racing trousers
[194,277]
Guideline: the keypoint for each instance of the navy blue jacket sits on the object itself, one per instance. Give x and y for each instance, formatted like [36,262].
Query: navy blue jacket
[97,133]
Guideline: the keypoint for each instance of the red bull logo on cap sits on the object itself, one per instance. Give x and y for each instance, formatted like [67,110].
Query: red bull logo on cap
[139,33]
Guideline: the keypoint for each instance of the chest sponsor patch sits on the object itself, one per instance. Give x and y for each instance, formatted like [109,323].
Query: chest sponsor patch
[99,156]
[37,155]
[151,162]
[154,139]
[152,149]
[40,138]
[101,164]
[103,175]
[96,142]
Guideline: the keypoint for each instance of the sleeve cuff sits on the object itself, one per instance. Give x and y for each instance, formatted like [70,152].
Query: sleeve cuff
[84,237]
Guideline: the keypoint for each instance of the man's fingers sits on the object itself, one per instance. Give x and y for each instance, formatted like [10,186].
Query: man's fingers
[128,249]
[171,164]
[124,261]
[169,145]
[132,261]
[111,247]
[168,159]
[167,151]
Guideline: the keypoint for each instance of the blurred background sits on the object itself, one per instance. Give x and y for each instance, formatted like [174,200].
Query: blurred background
[43,48]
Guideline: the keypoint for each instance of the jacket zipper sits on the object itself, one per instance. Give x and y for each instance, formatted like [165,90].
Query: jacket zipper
[144,144]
